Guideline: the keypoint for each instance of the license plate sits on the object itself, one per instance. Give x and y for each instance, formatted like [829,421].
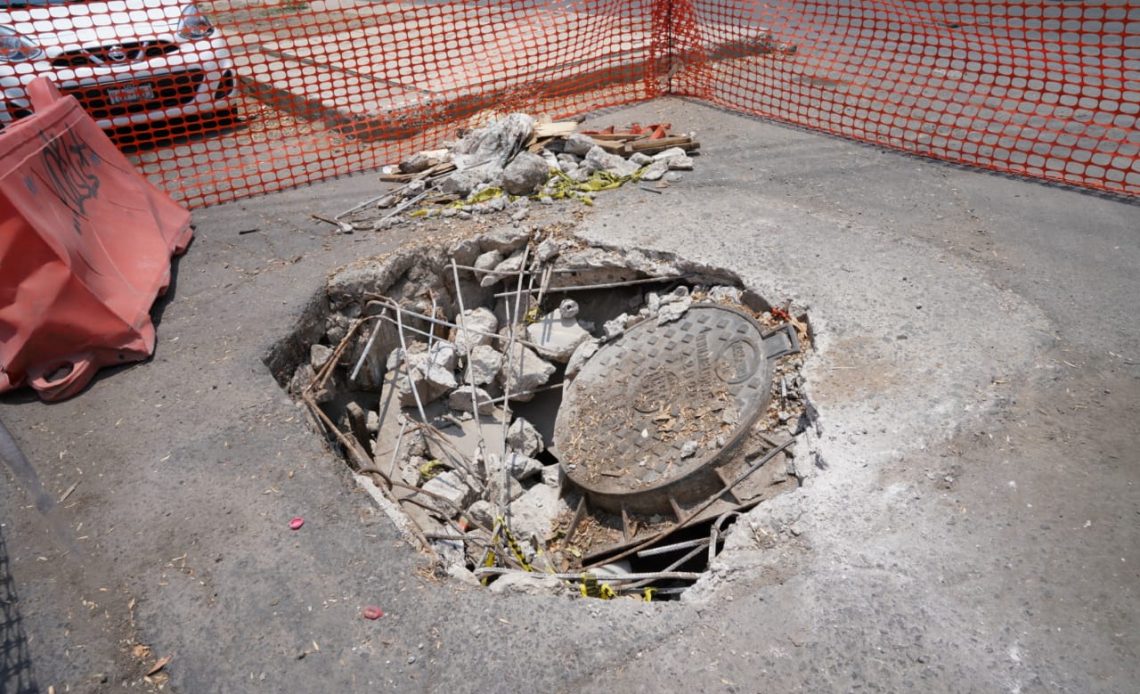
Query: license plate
[133,92]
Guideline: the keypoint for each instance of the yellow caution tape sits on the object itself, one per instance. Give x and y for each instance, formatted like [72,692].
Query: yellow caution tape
[647,594]
[590,587]
[513,544]
[430,469]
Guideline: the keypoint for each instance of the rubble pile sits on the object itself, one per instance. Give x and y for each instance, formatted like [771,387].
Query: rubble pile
[516,161]
[440,371]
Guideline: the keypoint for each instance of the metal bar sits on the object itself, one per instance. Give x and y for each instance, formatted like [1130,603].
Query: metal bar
[657,576]
[605,285]
[665,549]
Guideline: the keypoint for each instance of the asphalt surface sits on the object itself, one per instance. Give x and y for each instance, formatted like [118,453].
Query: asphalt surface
[973,526]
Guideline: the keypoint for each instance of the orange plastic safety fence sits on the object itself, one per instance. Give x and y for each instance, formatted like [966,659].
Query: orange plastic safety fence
[221,99]
[1044,88]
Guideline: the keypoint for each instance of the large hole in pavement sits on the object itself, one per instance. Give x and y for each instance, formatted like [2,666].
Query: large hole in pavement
[545,415]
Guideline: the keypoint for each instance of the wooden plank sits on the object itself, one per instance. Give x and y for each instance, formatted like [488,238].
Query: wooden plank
[663,143]
[557,129]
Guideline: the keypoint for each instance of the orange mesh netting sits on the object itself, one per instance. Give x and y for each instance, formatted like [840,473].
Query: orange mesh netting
[224,99]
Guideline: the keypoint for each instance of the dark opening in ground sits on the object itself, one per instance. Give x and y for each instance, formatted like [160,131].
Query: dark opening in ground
[546,415]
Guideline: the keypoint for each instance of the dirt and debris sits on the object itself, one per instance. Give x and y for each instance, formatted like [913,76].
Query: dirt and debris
[441,372]
[516,161]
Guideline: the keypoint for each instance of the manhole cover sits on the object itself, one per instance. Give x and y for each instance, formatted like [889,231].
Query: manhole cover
[642,426]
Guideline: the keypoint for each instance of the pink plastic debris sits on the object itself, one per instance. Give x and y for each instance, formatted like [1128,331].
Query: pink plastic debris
[372,612]
[296,523]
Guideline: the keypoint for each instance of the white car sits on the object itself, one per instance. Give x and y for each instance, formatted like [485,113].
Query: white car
[128,62]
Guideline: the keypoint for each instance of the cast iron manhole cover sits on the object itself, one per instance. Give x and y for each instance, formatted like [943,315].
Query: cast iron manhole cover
[651,414]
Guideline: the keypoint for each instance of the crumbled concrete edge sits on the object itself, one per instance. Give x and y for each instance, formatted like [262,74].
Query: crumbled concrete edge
[391,510]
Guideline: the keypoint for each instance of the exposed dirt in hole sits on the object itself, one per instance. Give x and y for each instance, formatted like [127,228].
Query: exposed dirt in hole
[478,386]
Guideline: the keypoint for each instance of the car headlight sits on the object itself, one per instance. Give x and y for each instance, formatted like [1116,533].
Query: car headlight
[17,48]
[193,25]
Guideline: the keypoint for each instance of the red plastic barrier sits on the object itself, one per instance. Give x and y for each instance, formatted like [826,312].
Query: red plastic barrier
[85,247]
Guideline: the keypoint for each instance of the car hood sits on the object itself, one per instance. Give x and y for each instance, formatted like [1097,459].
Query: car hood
[61,26]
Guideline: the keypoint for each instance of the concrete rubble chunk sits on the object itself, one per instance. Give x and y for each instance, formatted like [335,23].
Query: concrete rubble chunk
[464,251]
[423,161]
[482,512]
[319,355]
[547,250]
[674,305]
[477,327]
[655,171]
[580,356]
[529,583]
[612,329]
[525,174]
[556,337]
[510,266]
[450,486]
[568,308]
[568,160]
[493,144]
[502,487]
[598,159]
[484,363]
[533,513]
[524,438]
[505,240]
[689,449]
[431,373]
[522,467]
[578,145]
[551,160]
[552,476]
[486,262]
[641,158]
[460,400]
[670,154]
[725,293]
[673,177]
[524,371]
[680,164]
[463,575]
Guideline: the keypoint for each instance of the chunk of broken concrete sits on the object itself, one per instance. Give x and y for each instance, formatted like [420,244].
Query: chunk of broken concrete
[508,267]
[533,513]
[502,487]
[483,364]
[556,337]
[522,467]
[486,262]
[430,373]
[524,583]
[655,171]
[524,438]
[482,512]
[680,164]
[547,250]
[423,161]
[598,159]
[670,154]
[460,400]
[523,371]
[580,356]
[578,145]
[450,486]
[525,174]
[319,355]
[476,327]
